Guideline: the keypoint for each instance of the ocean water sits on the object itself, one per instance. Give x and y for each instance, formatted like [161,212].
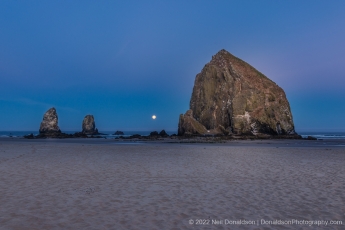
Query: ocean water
[323,135]
[108,134]
[105,134]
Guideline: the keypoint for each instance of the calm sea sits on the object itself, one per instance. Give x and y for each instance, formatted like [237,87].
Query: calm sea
[323,135]
[107,134]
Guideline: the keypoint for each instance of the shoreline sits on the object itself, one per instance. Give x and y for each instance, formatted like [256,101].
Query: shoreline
[339,143]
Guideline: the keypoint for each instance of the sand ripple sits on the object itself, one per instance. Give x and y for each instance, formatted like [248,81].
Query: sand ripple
[81,186]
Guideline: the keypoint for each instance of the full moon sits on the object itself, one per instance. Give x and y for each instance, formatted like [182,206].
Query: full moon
[154,117]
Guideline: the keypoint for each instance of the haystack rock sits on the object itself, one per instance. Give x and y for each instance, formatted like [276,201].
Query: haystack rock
[232,97]
[49,125]
[89,126]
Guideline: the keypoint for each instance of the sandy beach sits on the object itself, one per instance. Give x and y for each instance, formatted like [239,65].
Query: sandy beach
[108,184]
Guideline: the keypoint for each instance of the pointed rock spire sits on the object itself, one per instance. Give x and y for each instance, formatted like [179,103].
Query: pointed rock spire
[50,122]
[89,126]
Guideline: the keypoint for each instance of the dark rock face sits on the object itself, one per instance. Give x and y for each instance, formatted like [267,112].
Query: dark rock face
[163,133]
[311,138]
[29,136]
[59,135]
[232,97]
[154,133]
[188,125]
[119,133]
[49,125]
[160,134]
[78,135]
[89,126]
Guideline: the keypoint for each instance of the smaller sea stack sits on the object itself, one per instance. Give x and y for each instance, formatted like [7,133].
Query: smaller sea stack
[89,126]
[49,125]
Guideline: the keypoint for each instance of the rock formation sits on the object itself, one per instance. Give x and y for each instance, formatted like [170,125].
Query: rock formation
[119,133]
[89,126]
[232,97]
[49,125]
[163,133]
[49,128]
[154,133]
[188,125]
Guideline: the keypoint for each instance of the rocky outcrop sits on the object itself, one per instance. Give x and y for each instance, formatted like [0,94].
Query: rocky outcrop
[89,126]
[189,126]
[49,128]
[232,97]
[49,125]
[163,133]
[160,134]
[118,133]
[59,135]
[311,138]
[154,133]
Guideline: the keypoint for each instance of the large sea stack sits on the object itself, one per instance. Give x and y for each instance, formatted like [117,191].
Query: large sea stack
[89,126]
[49,125]
[232,97]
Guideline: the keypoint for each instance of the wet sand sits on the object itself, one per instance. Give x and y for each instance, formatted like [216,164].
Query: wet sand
[108,184]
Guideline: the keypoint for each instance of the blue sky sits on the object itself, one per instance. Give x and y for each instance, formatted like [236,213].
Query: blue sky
[124,61]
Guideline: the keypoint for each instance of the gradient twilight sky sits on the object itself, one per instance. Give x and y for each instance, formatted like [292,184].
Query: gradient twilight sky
[124,61]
